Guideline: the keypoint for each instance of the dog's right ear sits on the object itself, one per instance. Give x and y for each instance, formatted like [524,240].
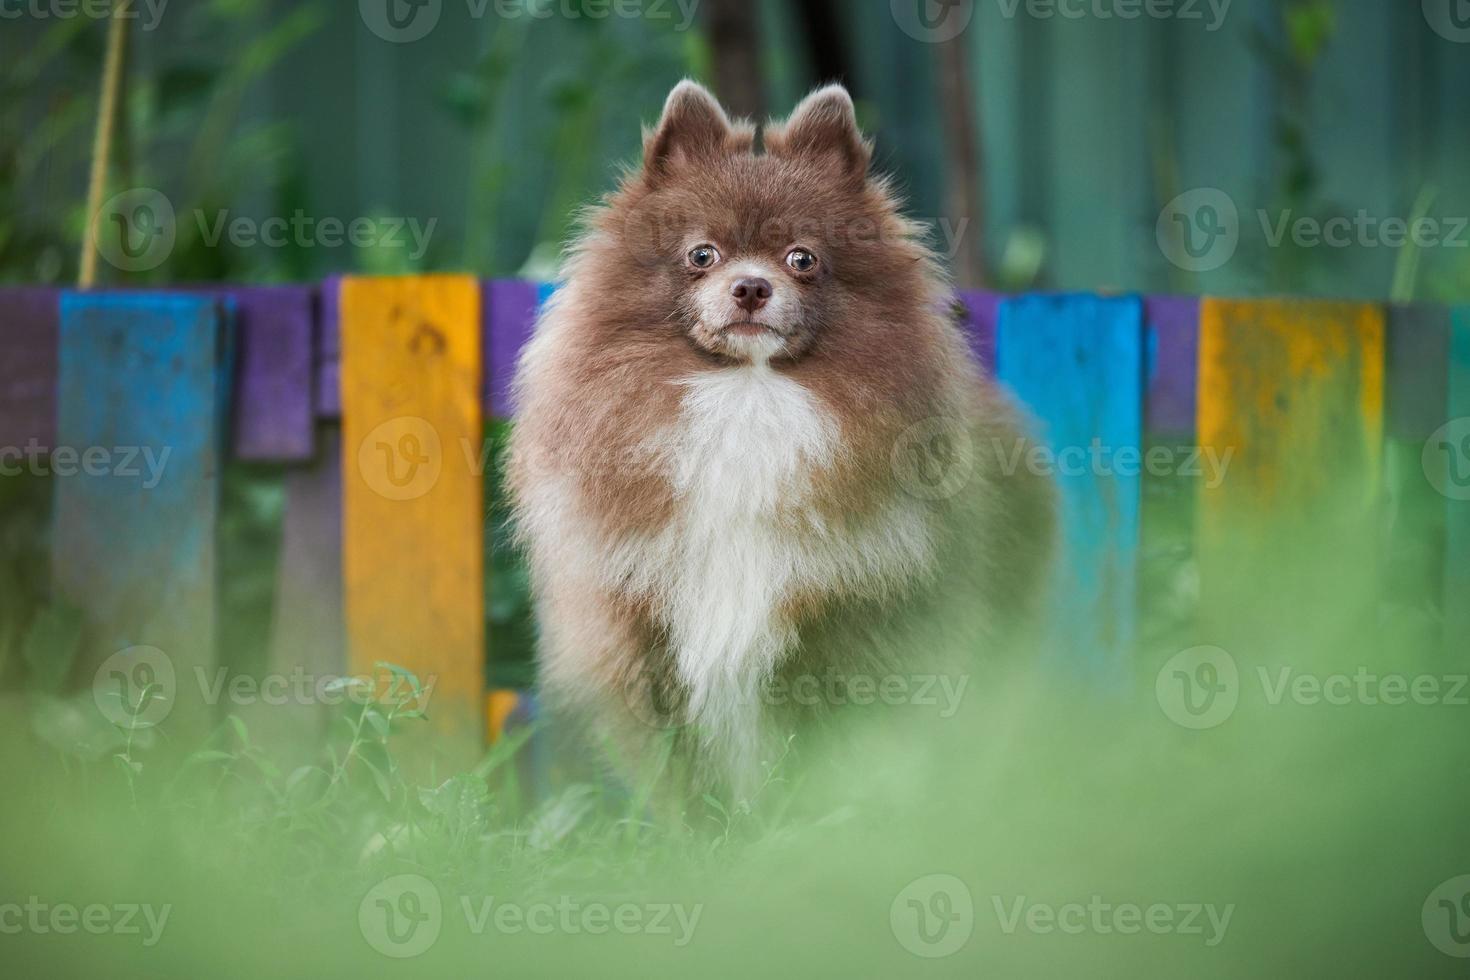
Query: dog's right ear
[693,127]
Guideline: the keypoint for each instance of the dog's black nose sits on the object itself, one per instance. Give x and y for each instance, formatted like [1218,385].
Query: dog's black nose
[751,294]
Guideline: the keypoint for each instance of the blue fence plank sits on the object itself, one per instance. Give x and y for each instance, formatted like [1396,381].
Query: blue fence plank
[1077,363]
[140,431]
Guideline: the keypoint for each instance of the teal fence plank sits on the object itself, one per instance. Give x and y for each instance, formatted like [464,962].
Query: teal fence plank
[1077,363]
[141,395]
[1457,538]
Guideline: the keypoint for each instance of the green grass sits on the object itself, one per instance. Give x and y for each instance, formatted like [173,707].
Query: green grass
[1320,829]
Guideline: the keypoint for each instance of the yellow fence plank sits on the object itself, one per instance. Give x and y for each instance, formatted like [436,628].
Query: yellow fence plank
[1293,391]
[413,511]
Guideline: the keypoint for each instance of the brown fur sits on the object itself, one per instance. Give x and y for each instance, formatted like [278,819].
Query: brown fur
[873,342]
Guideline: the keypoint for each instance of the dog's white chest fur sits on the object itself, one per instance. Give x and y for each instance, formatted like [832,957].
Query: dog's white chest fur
[743,453]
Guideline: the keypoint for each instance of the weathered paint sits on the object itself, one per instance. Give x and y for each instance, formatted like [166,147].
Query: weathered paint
[1294,391]
[134,543]
[1077,362]
[413,501]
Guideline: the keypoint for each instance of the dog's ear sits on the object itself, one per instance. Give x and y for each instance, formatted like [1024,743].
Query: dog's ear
[824,130]
[693,127]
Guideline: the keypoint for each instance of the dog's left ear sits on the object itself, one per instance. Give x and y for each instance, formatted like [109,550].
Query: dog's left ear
[823,129]
[693,127]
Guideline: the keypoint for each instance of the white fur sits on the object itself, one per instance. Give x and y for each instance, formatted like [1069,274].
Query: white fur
[741,458]
[716,307]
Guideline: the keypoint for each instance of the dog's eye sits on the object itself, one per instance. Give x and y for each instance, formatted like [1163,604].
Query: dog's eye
[801,260]
[704,256]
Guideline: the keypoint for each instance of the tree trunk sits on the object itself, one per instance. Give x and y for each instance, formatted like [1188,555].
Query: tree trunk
[964,192]
[735,39]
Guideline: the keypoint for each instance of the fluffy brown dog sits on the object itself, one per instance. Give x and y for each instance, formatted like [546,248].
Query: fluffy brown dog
[752,447]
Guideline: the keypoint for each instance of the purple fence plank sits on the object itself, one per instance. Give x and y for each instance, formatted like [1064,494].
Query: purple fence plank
[984,311]
[509,313]
[1418,350]
[29,319]
[273,419]
[1173,364]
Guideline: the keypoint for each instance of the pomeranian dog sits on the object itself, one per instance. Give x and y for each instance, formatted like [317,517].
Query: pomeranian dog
[752,448]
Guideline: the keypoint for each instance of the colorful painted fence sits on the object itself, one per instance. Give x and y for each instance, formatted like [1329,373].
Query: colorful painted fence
[382,556]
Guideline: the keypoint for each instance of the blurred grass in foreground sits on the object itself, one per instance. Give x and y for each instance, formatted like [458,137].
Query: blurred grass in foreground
[1320,829]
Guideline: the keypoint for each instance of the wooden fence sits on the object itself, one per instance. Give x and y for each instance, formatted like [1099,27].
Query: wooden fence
[382,554]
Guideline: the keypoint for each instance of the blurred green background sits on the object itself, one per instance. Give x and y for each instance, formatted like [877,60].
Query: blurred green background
[1052,132]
